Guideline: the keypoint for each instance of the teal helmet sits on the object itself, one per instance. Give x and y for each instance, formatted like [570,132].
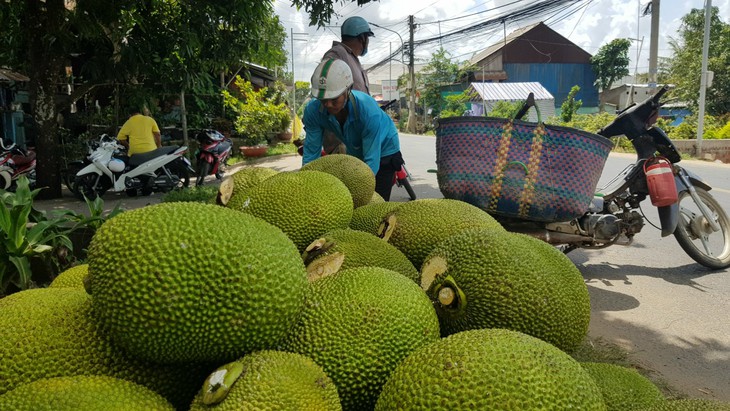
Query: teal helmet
[355,26]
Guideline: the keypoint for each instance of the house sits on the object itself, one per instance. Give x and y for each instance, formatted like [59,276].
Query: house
[537,53]
[622,96]
[486,95]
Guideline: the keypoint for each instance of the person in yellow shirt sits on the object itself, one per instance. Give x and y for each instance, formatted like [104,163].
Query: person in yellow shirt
[140,134]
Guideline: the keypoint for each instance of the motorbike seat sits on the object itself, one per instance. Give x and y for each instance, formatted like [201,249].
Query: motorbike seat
[21,160]
[137,159]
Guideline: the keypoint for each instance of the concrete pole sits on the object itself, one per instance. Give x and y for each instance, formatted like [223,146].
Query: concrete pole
[293,83]
[703,77]
[654,43]
[412,79]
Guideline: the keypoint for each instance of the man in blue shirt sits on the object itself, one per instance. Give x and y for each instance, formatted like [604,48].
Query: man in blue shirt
[356,119]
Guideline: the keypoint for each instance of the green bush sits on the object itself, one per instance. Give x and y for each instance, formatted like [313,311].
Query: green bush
[712,129]
[198,194]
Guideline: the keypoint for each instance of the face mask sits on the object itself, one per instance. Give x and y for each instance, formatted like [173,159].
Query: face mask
[364,47]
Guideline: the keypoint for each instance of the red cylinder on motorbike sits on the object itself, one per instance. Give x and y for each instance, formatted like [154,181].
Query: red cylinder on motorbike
[660,179]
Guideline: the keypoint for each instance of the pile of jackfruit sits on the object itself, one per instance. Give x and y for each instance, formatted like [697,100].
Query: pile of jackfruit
[304,290]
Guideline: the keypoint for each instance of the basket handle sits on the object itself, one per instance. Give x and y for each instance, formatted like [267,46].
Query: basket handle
[519,163]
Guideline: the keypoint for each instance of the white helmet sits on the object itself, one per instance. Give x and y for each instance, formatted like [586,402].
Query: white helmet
[331,78]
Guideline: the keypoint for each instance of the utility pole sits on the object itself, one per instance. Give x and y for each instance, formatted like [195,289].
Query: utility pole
[293,79]
[411,80]
[703,77]
[654,43]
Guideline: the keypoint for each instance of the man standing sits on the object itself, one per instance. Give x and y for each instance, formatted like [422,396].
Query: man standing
[140,133]
[355,33]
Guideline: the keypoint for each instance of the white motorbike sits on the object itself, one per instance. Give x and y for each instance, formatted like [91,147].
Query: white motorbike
[160,170]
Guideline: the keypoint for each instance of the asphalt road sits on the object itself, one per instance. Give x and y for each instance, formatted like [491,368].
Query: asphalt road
[650,298]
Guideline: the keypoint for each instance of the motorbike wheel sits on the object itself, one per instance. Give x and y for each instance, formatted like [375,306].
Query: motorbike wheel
[203,171]
[180,169]
[403,182]
[86,185]
[69,174]
[694,235]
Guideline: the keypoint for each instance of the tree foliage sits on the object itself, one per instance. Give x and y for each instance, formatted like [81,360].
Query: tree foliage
[570,106]
[611,62]
[440,71]
[685,66]
[320,11]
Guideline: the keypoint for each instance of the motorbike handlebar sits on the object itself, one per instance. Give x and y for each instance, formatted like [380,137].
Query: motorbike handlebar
[637,118]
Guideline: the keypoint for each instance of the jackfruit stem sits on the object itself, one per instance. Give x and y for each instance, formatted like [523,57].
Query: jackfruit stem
[324,266]
[432,269]
[225,191]
[385,230]
[219,383]
[318,247]
[446,296]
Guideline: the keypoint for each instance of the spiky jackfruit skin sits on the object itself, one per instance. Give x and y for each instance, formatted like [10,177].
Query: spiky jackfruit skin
[422,224]
[352,171]
[178,282]
[358,325]
[368,217]
[50,332]
[303,204]
[276,381]
[362,249]
[244,179]
[689,404]
[83,393]
[71,278]
[504,280]
[623,389]
[377,198]
[490,369]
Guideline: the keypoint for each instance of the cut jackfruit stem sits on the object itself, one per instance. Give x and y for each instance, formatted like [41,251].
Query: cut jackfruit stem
[446,296]
[451,299]
[432,269]
[324,266]
[385,230]
[219,383]
[318,247]
[225,191]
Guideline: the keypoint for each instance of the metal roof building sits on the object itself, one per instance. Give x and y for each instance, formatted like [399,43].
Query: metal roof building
[488,94]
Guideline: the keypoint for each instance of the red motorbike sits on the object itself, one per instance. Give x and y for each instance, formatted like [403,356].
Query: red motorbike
[16,161]
[214,151]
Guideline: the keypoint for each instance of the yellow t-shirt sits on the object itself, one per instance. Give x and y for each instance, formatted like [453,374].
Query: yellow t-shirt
[139,130]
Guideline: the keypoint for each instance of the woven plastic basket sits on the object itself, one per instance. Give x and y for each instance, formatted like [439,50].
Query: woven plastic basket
[519,169]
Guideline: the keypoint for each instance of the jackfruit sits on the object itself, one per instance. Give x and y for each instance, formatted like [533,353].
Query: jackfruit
[483,278]
[490,369]
[689,404]
[81,393]
[358,325]
[353,172]
[178,282]
[229,192]
[416,227]
[623,389]
[369,217]
[377,198]
[268,380]
[50,332]
[71,278]
[303,204]
[345,248]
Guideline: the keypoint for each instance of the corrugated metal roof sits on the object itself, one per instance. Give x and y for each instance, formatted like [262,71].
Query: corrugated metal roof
[7,75]
[510,91]
[498,45]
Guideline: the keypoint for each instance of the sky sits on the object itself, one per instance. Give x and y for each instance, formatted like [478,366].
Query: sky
[587,23]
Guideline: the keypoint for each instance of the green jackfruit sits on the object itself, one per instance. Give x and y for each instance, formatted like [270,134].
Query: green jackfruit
[623,389]
[353,172]
[234,185]
[352,248]
[71,278]
[484,278]
[178,282]
[50,332]
[81,393]
[369,217]
[416,227]
[268,380]
[358,325]
[490,369]
[303,204]
[377,198]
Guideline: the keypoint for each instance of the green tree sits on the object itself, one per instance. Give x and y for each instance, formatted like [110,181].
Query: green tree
[455,104]
[570,106]
[610,63]
[685,65]
[161,45]
[440,71]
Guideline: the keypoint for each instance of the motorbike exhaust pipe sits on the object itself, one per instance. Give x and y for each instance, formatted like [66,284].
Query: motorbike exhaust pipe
[555,237]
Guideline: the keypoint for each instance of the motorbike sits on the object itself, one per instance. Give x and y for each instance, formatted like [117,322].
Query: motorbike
[15,162]
[160,170]
[215,150]
[685,207]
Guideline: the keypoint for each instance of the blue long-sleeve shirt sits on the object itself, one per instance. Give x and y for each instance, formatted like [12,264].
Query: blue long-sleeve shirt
[368,132]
